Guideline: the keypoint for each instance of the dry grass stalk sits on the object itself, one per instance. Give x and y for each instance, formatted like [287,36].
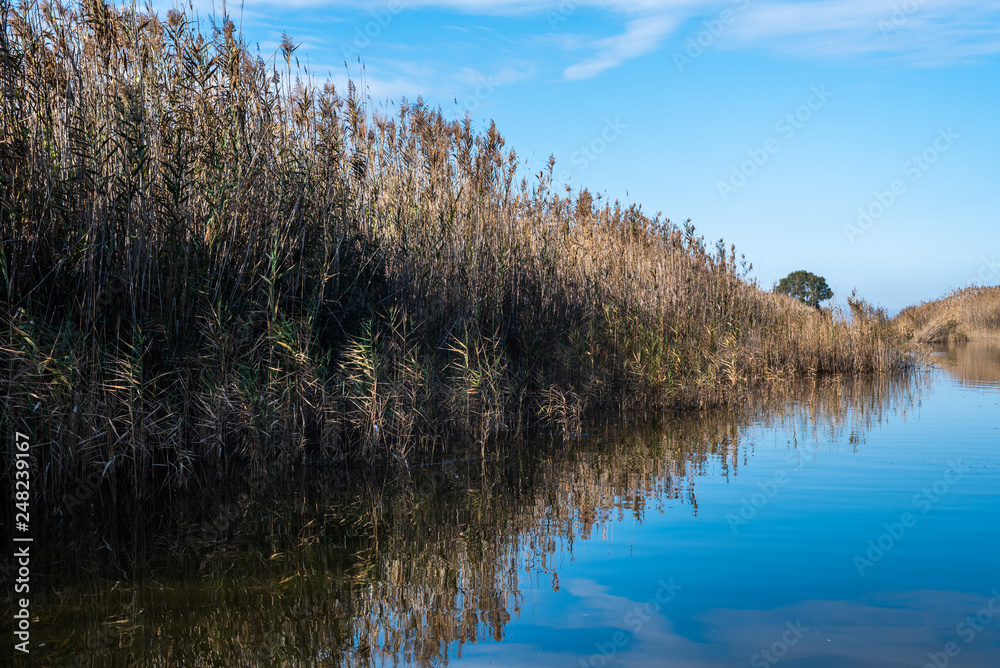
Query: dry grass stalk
[964,315]
[210,264]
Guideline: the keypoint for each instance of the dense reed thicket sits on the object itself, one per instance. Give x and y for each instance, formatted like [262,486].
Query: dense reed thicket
[210,264]
[967,314]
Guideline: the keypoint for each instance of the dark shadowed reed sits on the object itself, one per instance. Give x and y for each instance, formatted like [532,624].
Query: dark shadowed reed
[212,266]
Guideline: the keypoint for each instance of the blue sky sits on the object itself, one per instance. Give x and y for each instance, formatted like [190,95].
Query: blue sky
[857,139]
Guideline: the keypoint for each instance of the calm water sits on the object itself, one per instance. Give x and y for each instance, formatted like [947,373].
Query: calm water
[838,523]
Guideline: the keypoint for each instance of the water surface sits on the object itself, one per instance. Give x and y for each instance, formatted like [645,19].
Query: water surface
[836,523]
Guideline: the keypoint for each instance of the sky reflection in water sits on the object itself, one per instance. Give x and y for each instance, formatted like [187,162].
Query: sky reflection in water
[819,552]
[840,524]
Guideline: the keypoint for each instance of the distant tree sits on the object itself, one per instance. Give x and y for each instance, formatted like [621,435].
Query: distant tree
[806,287]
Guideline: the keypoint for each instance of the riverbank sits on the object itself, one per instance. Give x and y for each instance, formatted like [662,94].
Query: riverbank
[212,268]
[970,314]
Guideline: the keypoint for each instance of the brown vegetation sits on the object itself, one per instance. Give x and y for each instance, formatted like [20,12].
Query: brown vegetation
[970,314]
[210,264]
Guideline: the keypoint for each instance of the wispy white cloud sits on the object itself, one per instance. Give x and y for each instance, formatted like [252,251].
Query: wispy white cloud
[378,87]
[641,36]
[926,32]
[923,32]
[470,76]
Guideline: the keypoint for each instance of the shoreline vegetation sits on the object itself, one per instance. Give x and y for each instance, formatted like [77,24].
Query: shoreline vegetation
[213,268]
[969,314]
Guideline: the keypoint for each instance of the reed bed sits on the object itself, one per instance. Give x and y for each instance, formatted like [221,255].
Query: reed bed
[211,264]
[969,314]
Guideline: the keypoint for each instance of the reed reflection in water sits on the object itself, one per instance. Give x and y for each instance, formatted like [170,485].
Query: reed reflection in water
[974,362]
[374,571]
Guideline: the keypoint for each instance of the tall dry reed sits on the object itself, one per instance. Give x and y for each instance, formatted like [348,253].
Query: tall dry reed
[967,314]
[210,265]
